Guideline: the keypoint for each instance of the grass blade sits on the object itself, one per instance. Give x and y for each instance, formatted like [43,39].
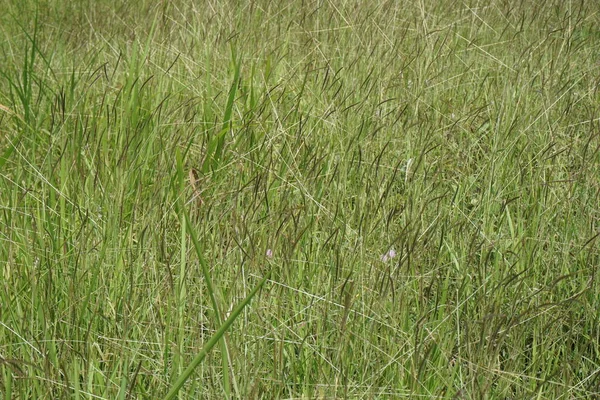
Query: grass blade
[213,340]
[216,144]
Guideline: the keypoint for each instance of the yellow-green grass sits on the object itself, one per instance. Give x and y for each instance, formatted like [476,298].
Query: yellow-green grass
[403,195]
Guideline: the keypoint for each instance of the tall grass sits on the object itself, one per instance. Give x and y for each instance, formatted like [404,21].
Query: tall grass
[408,192]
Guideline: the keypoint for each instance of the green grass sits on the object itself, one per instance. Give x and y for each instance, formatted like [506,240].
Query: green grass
[151,153]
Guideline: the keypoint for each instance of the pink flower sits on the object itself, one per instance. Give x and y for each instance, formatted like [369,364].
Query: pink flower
[269,253]
[389,255]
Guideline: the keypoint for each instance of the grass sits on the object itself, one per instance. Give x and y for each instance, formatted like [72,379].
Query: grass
[179,175]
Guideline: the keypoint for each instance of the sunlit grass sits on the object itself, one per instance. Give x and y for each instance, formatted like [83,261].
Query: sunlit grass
[417,182]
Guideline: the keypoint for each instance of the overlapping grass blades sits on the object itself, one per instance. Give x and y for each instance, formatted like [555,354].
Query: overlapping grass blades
[154,158]
[216,142]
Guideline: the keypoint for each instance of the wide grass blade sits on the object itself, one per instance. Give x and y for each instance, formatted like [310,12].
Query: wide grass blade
[213,340]
[217,143]
[210,288]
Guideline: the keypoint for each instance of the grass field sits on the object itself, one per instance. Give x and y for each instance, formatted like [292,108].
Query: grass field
[299,199]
